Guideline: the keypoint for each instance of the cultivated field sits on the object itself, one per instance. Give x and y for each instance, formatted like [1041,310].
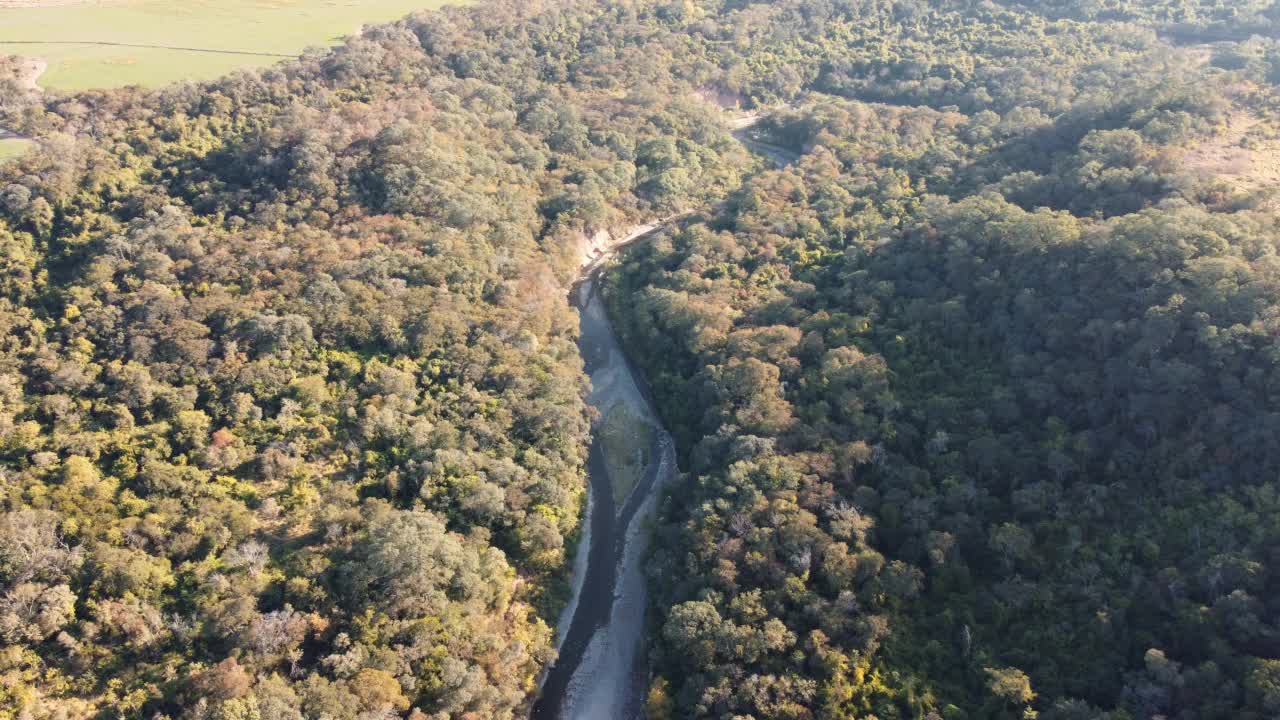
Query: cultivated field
[110,43]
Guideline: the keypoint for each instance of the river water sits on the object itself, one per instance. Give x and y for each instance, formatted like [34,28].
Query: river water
[600,673]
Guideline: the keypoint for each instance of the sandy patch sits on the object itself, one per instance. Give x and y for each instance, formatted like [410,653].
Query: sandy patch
[26,70]
[1245,154]
[596,249]
[29,72]
[1199,55]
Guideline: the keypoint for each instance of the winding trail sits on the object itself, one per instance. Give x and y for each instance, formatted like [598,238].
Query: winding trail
[600,672]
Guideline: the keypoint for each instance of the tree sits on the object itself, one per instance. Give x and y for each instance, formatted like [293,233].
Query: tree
[1010,685]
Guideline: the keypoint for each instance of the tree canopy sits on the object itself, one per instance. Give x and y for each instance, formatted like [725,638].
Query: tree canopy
[977,401]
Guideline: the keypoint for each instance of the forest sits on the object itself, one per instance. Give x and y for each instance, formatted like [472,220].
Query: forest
[976,403]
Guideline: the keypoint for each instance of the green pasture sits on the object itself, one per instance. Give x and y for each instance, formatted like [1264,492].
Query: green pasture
[284,27]
[11,148]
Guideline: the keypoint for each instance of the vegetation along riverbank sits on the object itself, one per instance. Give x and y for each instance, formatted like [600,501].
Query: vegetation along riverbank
[943,380]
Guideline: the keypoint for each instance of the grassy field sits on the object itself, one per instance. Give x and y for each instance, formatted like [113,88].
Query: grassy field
[11,148]
[283,27]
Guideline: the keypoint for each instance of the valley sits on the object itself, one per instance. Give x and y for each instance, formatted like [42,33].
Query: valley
[795,359]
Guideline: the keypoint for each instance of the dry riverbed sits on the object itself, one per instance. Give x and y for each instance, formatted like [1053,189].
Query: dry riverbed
[600,671]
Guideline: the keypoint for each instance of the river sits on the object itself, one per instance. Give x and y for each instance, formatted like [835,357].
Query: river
[600,672]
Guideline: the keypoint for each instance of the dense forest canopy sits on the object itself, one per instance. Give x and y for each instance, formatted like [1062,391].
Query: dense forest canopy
[978,400]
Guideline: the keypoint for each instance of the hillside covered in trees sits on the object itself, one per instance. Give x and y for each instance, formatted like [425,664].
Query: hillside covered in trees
[977,402]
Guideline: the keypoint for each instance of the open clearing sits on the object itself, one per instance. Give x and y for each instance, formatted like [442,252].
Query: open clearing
[11,148]
[153,42]
[1246,154]
[13,145]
